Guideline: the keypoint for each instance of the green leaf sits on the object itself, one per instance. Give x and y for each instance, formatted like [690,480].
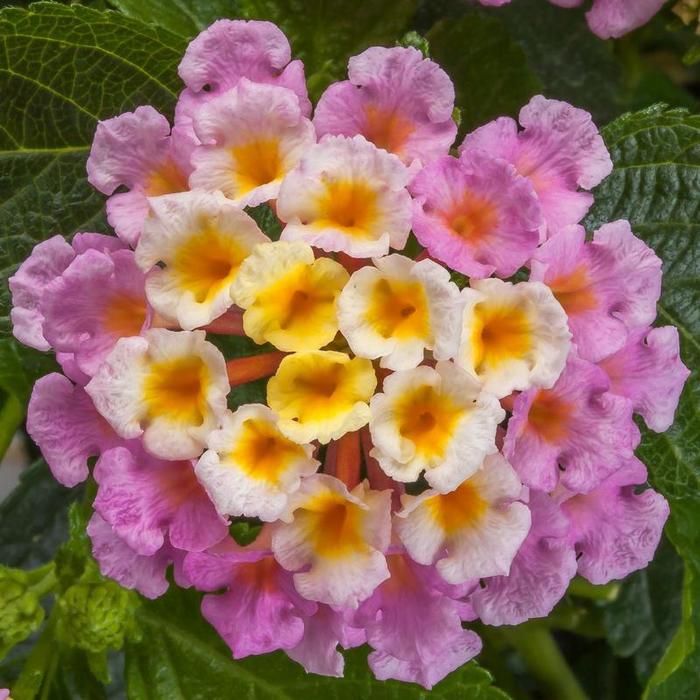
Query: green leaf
[20,367]
[182,657]
[488,68]
[66,67]
[325,34]
[656,185]
[33,517]
[184,17]
[642,620]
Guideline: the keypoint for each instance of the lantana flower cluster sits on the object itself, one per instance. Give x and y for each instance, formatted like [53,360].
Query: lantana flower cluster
[438,444]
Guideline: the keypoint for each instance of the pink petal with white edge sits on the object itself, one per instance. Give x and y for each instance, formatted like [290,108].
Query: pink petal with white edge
[649,371]
[471,532]
[615,529]
[576,433]
[229,50]
[606,287]
[116,559]
[318,651]
[260,611]
[558,150]
[347,195]
[64,423]
[395,98]
[254,134]
[146,499]
[539,575]
[476,214]
[414,626]
[99,298]
[613,18]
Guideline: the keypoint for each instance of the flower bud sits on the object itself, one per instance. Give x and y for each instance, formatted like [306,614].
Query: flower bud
[20,610]
[95,616]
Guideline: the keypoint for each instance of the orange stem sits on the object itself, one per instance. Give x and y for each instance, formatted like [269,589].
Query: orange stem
[247,369]
[508,401]
[352,264]
[347,459]
[377,478]
[230,323]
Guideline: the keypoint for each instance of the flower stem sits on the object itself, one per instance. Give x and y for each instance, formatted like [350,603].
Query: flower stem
[347,460]
[231,323]
[246,369]
[536,646]
[11,417]
[583,589]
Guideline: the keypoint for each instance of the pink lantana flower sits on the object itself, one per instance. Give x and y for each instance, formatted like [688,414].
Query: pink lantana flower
[137,150]
[649,371]
[396,99]
[64,423]
[476,214]
[98,299]
[324,631]
[229,50]
[559,150]
[414,625]
[149,502]
[576,433]
[614,528]
[260,610]
[606,287]
[116,559]
[29,285]
[539,574]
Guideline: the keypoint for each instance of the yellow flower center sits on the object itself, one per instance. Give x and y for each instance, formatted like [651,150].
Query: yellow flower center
[334,525]
[349,205]
[458,509]
[574,291]
[297,311]
[255,164]
[499,333]
[320,386]
[386,129]
[428,418]
[398,309]
[207,263]
[549,416]
[262,452]
[176,390]
[474,218]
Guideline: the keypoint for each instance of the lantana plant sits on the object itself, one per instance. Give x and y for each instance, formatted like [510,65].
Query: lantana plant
[452,362]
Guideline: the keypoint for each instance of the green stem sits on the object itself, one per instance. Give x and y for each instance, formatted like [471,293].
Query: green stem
[545,661]
[569,616]
[37,672]
[46,583]
[11,417]
[583,589]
